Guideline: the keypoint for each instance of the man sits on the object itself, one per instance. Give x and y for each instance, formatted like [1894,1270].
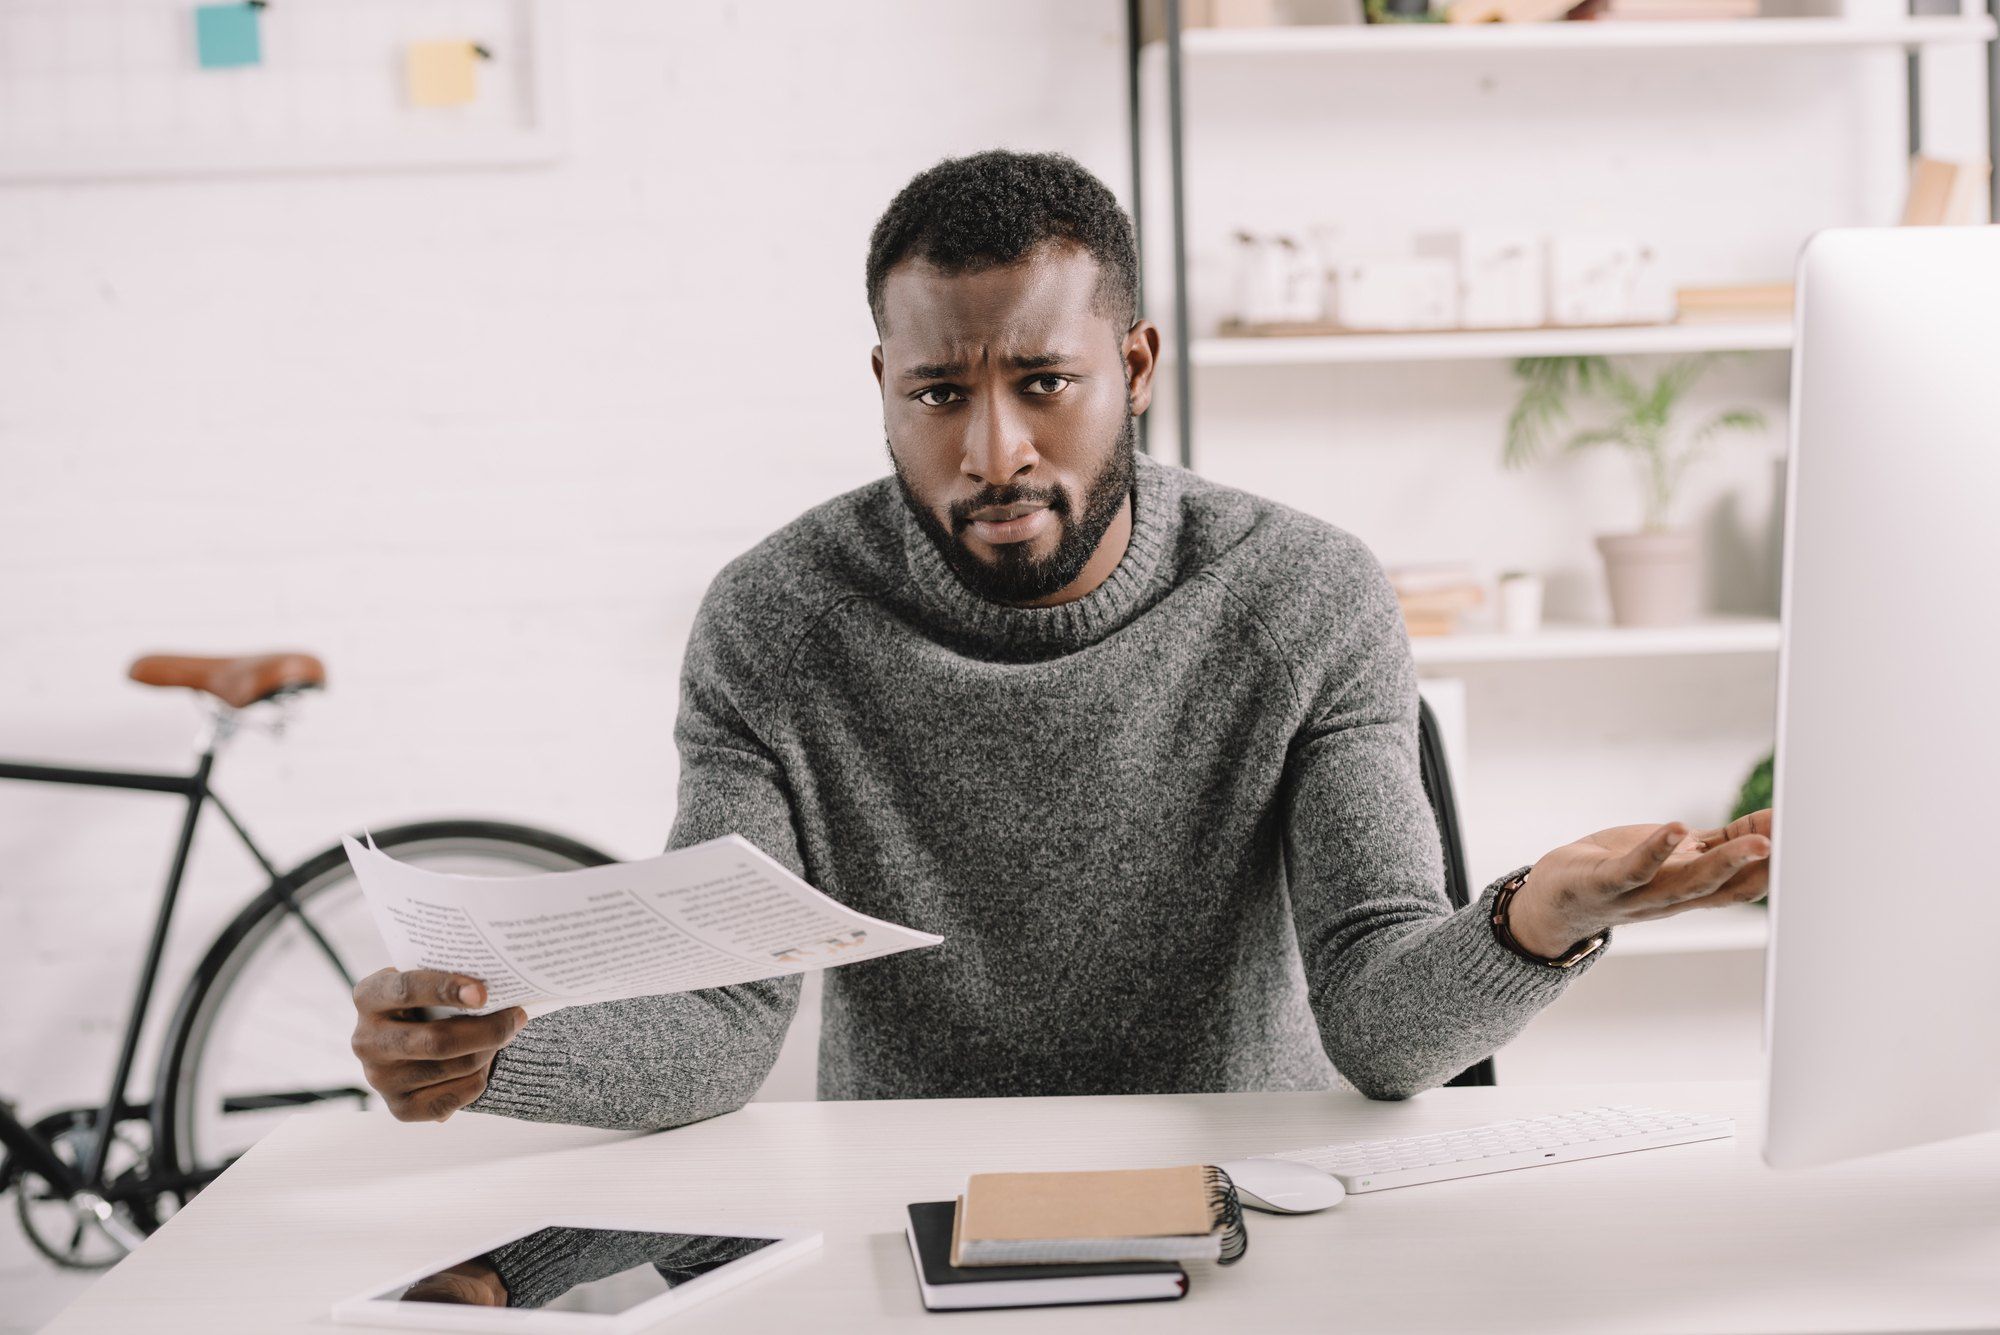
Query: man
[1140,747]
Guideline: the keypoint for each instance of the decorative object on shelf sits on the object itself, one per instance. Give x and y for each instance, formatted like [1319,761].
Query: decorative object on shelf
[1402,11]
[1596,278]
[1278,281]
[1502,281]
[1395,294]
[1450,279]
[1733,303]
[1520,602]
[1654,574]
[1510,11]
[1250,14]
[1659,11]
[1432,596]
[1946,194]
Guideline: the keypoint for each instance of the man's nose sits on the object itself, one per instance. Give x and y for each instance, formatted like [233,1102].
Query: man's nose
[998,448]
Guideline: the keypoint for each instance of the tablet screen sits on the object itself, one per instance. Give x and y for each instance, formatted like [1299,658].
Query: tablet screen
[596,1270]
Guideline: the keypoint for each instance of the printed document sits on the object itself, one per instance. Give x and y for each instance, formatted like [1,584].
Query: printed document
[707,915]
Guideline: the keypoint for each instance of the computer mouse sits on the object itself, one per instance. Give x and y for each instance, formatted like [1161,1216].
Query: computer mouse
[1282,1186]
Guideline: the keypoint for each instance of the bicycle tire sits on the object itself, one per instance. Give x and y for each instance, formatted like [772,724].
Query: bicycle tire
[237,944]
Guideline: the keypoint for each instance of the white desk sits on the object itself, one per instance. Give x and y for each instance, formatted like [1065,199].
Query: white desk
[1694,1238]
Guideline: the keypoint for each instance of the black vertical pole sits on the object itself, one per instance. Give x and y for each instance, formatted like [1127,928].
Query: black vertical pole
[1993,115]
[1183,377]
[1134,35]
[1913,87]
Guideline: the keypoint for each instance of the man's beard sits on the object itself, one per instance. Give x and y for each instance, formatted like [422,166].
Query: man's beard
[1015,575]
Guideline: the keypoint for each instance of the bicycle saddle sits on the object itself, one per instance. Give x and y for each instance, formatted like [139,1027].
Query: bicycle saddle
[237,682]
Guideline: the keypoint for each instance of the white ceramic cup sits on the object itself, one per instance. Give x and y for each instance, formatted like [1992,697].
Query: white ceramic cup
[1520,603]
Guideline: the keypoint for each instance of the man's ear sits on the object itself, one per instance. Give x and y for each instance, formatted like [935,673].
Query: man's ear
[875,360]
[1141,351]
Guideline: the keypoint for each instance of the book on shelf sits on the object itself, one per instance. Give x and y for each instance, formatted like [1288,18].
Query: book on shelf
[1660,11]
[946,1287]
[1734,302]
[1433,596]
[1945,194]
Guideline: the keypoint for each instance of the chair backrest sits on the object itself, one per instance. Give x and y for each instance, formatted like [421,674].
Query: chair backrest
[1437,787]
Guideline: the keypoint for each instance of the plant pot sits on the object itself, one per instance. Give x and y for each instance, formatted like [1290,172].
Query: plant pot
[1655,576]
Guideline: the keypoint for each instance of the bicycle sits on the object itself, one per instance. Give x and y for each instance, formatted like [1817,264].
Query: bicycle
[261,1027]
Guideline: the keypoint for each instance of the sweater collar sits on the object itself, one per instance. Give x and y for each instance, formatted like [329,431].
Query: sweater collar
[1036,631]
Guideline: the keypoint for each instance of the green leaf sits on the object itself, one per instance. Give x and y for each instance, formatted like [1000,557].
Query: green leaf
[1600,435]
[1735,419]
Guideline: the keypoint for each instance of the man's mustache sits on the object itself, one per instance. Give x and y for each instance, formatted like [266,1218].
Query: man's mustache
[1054,498]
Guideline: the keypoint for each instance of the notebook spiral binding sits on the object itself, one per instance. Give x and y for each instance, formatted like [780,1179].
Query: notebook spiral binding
[1227,1211]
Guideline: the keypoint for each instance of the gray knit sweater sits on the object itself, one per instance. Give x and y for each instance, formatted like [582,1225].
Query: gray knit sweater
[1173,833]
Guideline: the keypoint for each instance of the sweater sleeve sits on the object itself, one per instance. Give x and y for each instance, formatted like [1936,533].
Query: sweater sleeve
[652,1062]
[1406,992]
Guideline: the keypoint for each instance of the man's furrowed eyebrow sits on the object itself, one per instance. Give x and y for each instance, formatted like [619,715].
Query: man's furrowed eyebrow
[1039,361]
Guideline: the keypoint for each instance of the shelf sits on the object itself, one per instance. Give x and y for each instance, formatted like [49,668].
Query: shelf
[1734,927]
[1486,344]
[1717,635]
[1637,35]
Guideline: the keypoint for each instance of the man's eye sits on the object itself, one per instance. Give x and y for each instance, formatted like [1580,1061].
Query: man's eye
[924,395]
[1048,384]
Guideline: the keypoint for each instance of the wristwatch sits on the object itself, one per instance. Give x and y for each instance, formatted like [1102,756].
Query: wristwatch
[1569,959]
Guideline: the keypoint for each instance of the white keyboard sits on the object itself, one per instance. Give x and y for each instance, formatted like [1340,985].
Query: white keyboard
[1377,1165]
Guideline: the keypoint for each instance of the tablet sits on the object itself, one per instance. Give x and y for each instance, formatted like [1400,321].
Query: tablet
[575,1274]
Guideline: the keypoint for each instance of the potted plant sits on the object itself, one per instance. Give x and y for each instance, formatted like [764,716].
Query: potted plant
[1654,574]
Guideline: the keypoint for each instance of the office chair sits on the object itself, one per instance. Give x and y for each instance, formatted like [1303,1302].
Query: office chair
[1437,787]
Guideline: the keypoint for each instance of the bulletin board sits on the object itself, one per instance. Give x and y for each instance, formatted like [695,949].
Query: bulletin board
[124,88]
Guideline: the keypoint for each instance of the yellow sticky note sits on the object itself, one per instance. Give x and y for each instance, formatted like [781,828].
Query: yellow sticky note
[441,74]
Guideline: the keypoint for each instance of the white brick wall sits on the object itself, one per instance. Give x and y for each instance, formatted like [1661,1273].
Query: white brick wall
[479,438]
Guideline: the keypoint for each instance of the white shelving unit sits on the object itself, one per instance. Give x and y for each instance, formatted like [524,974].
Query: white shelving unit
[1484,344]
[1487,38]
[1354,126]
[1717,635]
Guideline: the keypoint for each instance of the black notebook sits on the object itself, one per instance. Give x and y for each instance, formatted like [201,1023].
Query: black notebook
[947,1287]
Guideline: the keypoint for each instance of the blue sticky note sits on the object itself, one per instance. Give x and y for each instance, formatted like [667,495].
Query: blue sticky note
[227,35]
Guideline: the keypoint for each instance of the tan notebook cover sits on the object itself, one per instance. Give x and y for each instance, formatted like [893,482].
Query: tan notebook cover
[1122,1203]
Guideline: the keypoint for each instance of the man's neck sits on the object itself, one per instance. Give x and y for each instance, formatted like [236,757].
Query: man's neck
[1110,551]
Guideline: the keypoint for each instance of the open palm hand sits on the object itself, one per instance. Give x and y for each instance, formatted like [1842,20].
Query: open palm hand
[1635,873]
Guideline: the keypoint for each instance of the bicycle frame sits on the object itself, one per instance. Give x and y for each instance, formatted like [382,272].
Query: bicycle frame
[195,790]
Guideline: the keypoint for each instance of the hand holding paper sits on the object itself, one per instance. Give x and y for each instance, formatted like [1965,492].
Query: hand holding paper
[709,915]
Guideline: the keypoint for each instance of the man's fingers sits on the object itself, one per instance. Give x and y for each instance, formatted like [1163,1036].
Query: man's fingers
[1706,875]
[1757,822]
[402,1077]
[388,990]
[1639,864]
[435,1103]
[436,1040]
[1753,882]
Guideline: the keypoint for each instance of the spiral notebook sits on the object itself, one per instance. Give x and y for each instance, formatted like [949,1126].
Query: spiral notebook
[946,1288]
[1188,1213]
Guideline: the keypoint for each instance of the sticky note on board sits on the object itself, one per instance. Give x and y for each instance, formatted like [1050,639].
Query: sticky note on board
[227,36]
[442,74]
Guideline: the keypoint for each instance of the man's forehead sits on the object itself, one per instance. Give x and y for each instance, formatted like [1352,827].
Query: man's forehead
[1029,307]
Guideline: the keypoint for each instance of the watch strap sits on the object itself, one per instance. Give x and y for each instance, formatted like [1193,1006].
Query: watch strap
[1503,899]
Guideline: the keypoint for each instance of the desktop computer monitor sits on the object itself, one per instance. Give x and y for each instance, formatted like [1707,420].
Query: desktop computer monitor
[1882,1017]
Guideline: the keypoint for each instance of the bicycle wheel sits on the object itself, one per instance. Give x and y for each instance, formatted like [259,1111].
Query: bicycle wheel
[264,1024]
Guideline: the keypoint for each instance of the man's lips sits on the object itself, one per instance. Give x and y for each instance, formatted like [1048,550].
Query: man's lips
[1000,524]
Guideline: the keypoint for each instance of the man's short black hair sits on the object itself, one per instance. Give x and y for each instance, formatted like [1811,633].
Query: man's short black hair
[992,208]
